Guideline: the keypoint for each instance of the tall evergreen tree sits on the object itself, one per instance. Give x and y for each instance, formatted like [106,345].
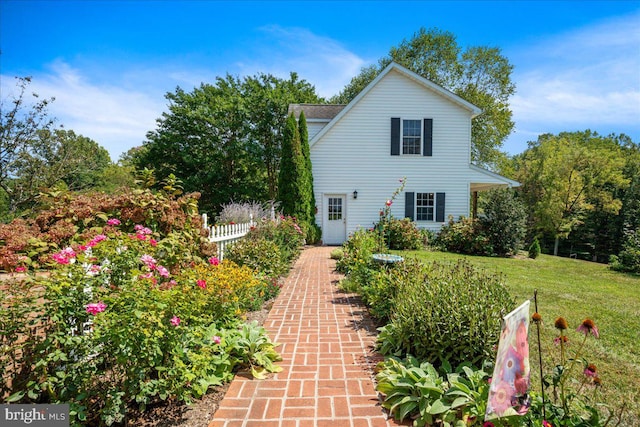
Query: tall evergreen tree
[313,231]
[293,189]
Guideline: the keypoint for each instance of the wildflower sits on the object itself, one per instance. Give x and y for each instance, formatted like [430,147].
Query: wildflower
[202,284]
[216,339]
[214,261]
[175,320]
[153,242]
[21,269]
[587,326]
[564,339]
[389,202]
[96,307]
[561,323]
[546,423]
[162,271]
[113,221]
[590,371]
[536,318]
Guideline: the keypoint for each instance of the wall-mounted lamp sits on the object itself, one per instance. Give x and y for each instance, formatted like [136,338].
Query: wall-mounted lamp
[355,194]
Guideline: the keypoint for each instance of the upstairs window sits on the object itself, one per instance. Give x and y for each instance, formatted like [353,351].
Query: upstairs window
[411,136]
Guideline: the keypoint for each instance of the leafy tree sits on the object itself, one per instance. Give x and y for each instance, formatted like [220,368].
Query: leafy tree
[293,182]
[479,74]
[34,156]
[268,100]
[565,177]
[223,140]
[504,221]
[19,126]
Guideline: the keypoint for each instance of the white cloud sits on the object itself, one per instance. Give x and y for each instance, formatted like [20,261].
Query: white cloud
[115,116]
[586,78]
[322,61]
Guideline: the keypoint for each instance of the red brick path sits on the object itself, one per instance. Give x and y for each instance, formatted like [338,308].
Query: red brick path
[326,345]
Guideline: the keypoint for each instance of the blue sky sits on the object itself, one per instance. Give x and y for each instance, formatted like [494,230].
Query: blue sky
[110,63]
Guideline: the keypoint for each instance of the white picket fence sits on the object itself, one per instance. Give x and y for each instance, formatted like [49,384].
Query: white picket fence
[223,235]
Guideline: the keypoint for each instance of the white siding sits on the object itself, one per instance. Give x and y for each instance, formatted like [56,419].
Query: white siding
[314,127]
[354,154]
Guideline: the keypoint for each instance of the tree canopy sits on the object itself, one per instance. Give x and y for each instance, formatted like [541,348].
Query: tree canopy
[479,74]
[35,156]
[573,181]
[223,139]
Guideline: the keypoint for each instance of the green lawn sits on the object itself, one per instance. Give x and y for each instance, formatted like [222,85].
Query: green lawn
[576,289]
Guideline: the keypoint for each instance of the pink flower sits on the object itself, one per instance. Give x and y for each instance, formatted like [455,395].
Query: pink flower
[64,257]
[97,239]
[591,371]
[96,307]
[546,423]
[153,242]
[21,269]
[149,261]
[488,424]
[162,271]
[216,339]
[147,276]
[113,221]
[68,252]
[214,261]
[588,327]
[202,284]
[389,202]
[175,320]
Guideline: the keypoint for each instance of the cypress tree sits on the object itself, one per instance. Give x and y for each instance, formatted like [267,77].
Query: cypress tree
[293,194]
[313,231]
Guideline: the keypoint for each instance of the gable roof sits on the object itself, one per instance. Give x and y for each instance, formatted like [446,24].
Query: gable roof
[428,84]
[319,112]
[483,179]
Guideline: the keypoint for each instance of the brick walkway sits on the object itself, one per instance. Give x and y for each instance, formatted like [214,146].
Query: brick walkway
[326,346]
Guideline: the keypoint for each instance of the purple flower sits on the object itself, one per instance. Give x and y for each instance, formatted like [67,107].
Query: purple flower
[96,307]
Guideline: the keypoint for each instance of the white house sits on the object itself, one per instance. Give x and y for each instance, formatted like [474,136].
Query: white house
[400,125]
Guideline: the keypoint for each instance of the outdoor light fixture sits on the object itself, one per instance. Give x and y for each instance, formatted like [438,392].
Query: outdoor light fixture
[355,194]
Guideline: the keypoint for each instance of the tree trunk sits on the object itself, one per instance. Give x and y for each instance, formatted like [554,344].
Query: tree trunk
[555,246]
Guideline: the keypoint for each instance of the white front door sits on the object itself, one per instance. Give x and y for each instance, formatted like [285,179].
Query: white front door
[335,221]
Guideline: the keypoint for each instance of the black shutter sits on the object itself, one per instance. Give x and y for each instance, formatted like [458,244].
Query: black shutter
[427,140]
[395,136]
[409,203]
[439,207]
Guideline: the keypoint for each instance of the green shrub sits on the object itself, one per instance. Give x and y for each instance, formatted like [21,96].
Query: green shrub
[445,313]
[284,232]
[534,249]
[403,234]
[465,237]
[337,254]
[504,221]
[357,251]
[259,254]
[629,257]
